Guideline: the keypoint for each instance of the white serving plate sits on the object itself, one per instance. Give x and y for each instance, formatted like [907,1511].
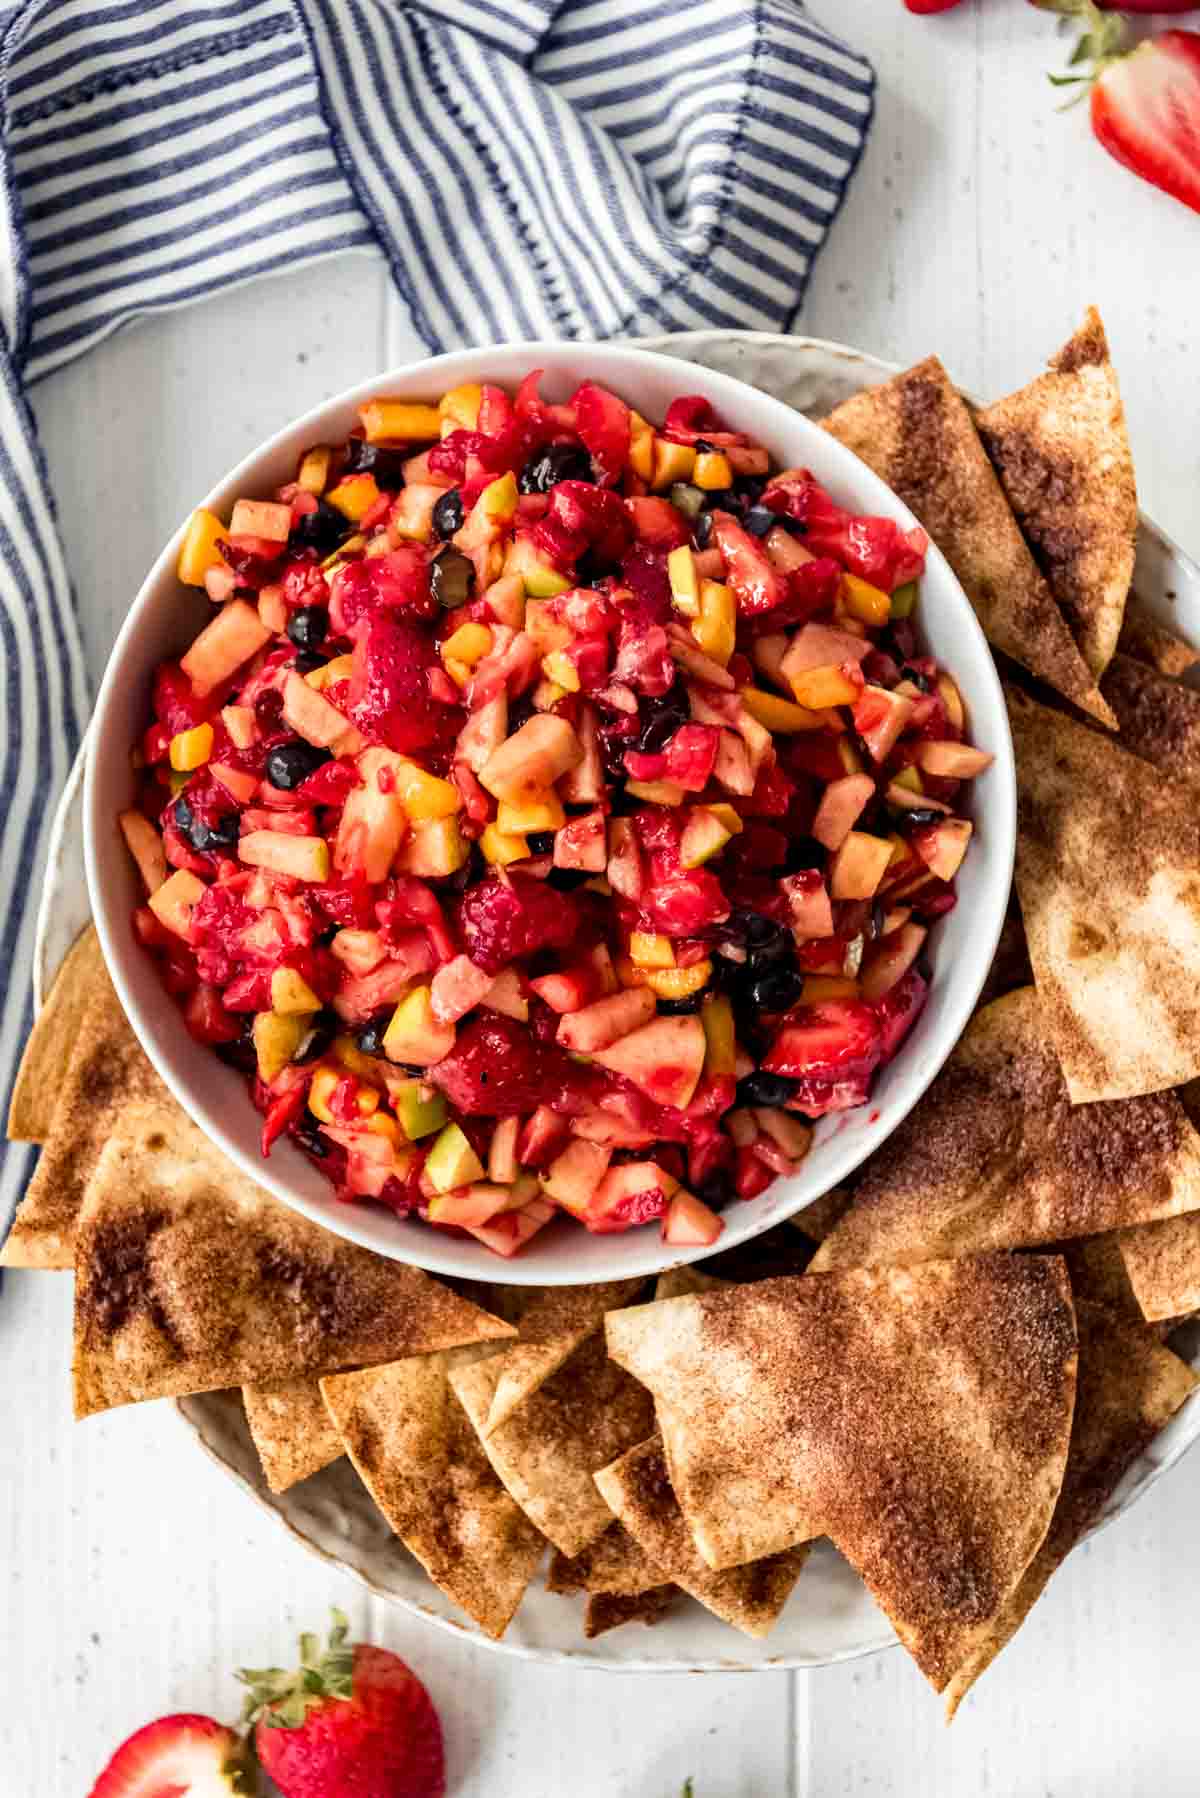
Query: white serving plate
[830,1617]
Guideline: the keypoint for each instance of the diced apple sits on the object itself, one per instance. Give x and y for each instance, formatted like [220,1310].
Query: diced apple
[310,714]
[503,1167]
[584,783]
[457,987]
[261,518]
[904,798]
[276,1040]
[304,858]
[358,950]
[434,848]
[240,722]
[541,1137]
[573,1177]
[414,1035]
[477,1204]
[679,983]
[507,1234]
[649,950]
[953,761]
[656,792]
[507,996]
[411,517]
[811,908]
[582,843]
[452,1161]
[664,1058]
[942,846]
[231,638]
[704,835]
[173,901]
[889,960]
[626,870]
[567,990]
[733,769]
[146,847]
[606,1021]
[420,1108]
[688,1222]
[879,718]
[499,848]
[621,1189]
[290,992]
[482,734]
[793,1137]
[533,811]
[544,748]
[821,646]
[236,781]
[373,822]
[842,804]
[858,866]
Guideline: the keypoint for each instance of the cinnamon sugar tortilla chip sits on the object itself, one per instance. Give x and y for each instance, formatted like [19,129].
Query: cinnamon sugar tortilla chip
[291,1430]
[916,433]
[550,1329]
[1062,453]
[679,1280]
[917,1416]
[39,1077]
[420,1459]
[1010,965]
[107,1072]
[1159,717]
[615,1563]
[547,1452]
[609,1610]
[1146,640]
[1108,872]
[189,1278]
[638,1489]
[1162,1262]
[1128,1387]
[995,1156]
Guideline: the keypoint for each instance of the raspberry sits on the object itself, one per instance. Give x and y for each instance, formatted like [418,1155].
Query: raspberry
[502,922]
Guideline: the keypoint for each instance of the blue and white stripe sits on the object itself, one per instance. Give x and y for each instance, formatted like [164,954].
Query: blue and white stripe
[529,168]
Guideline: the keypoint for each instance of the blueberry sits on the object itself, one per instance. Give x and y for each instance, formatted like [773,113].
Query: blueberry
[877,916]
[321,530]
[680,1008]
[557,462]
[716,1191]
[759,520]
[803,852]
[268,708]
[919,680]
[702,530]
[369,1036]
[308,659]
[451,576]
[762,936]
[307,626]
[766,1089]
[776,987]
[703,447]
[661,717]
[541,842]
[448,514]
[915,817]
[387,465]
[224,833]
[291,763]
[565,880]
[221,835]
[311,1140]
[240,1053]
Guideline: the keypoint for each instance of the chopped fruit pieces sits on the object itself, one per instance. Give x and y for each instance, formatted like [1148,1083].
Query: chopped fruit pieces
[452,1161]
[415,1034]
[530,752]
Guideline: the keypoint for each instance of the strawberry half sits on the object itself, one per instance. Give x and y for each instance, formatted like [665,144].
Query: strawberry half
[352,1719]
[176,1757]
[1146,113]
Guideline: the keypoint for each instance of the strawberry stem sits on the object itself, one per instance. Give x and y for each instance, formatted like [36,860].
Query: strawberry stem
[282,1698]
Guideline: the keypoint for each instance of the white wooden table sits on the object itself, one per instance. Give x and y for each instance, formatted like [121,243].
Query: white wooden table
[135,1575]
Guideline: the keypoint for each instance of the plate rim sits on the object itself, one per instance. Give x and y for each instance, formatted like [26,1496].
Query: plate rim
[462,1628]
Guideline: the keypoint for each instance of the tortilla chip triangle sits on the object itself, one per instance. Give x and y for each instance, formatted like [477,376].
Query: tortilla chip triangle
[609,1610]
[615,1563]
[1108,873]
[420,1459]
[917,1416]
[1159,718]
[1162,1264]
[188,1277]
[1128,1387]
[549,1330]
[1148,641]
[291,1429]
[546,1454]
[917,434]
[106,1072]
[1062,453]
[638,1489]
[995,1156]
[39,1077]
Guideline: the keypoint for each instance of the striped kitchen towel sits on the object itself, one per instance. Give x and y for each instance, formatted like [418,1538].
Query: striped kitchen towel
[529,168]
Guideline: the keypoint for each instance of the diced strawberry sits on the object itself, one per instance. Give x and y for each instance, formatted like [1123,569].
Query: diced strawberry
[756,585]
[390,700]
[581,516]
[751,1175]
[899,1010]
[657,523]
[494,1068]
[836,1039]
[602,421]
[875,549]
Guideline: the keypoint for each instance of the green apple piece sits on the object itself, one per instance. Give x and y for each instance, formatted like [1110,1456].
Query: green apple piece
[291,992]
[704,836]
[664,1058]
[414,1034]
[542,581]
[453,1162]
[420,1110]
[304,858]
[573,1176]
[277,1036]
[544,747]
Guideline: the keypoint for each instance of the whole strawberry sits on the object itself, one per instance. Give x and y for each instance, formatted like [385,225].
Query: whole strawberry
[352,1720]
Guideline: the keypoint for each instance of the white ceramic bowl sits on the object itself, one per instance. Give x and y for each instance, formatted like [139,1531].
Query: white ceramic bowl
[165,617]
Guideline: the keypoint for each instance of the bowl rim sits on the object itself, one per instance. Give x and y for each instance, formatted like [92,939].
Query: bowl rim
[634,1254]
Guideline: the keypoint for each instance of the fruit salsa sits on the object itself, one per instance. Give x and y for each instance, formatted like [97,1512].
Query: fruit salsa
[552,813]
